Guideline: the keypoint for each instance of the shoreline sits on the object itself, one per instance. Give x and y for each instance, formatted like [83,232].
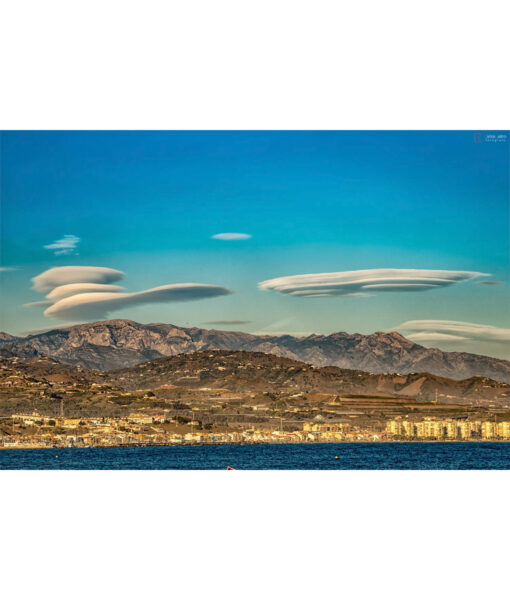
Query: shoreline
[189,444]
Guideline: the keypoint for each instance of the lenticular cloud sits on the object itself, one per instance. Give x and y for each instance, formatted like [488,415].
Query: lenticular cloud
[439,330]
[71,289]
[84,293]
[96,305]
[358,283]
[52,278]
[231,236]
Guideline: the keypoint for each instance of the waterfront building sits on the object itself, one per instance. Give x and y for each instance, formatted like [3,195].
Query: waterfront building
[394,427]
[433,430]
[504,430]
[409,428]
[489,430]
[452,430]
[470,429]
[449,429]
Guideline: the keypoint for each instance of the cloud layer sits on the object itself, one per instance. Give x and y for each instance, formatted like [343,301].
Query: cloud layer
[437,330]
[65,245]
[231,236]
[71,289]
[357,283]
[52,278]
[85,293]
[97,305]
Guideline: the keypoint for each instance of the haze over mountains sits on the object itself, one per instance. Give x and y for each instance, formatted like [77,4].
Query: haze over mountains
[119,343]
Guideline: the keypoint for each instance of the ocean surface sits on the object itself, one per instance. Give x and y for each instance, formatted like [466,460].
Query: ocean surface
[415,455]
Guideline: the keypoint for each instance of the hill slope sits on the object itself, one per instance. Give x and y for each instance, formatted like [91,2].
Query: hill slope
[255,371]
[40,379]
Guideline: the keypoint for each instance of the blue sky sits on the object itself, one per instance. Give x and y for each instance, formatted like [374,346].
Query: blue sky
[148,204]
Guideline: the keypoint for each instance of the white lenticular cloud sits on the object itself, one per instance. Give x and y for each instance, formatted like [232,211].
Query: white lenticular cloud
[58,276]
[435,336]
[231,236]
[438,330]
[96,305]
[38,304]
[65,245]
[71,289]
[345,284]
[85,293]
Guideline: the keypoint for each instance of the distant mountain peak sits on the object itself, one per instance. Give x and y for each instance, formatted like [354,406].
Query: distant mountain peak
[106,345]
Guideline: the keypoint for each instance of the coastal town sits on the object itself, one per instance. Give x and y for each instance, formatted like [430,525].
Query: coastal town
[139,429]
[237,398]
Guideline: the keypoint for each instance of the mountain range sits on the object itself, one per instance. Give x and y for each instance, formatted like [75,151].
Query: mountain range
[239,372]
[118,343]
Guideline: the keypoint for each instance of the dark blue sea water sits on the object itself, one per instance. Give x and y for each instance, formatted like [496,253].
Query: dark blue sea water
[400,455]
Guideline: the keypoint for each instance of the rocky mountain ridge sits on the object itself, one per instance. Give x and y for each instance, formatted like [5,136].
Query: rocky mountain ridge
[109,345]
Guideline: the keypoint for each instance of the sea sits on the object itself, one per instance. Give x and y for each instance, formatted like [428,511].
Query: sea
[317,456]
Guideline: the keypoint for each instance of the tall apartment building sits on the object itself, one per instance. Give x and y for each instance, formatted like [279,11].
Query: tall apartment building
[489,430]
[449,429]
[504,430]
